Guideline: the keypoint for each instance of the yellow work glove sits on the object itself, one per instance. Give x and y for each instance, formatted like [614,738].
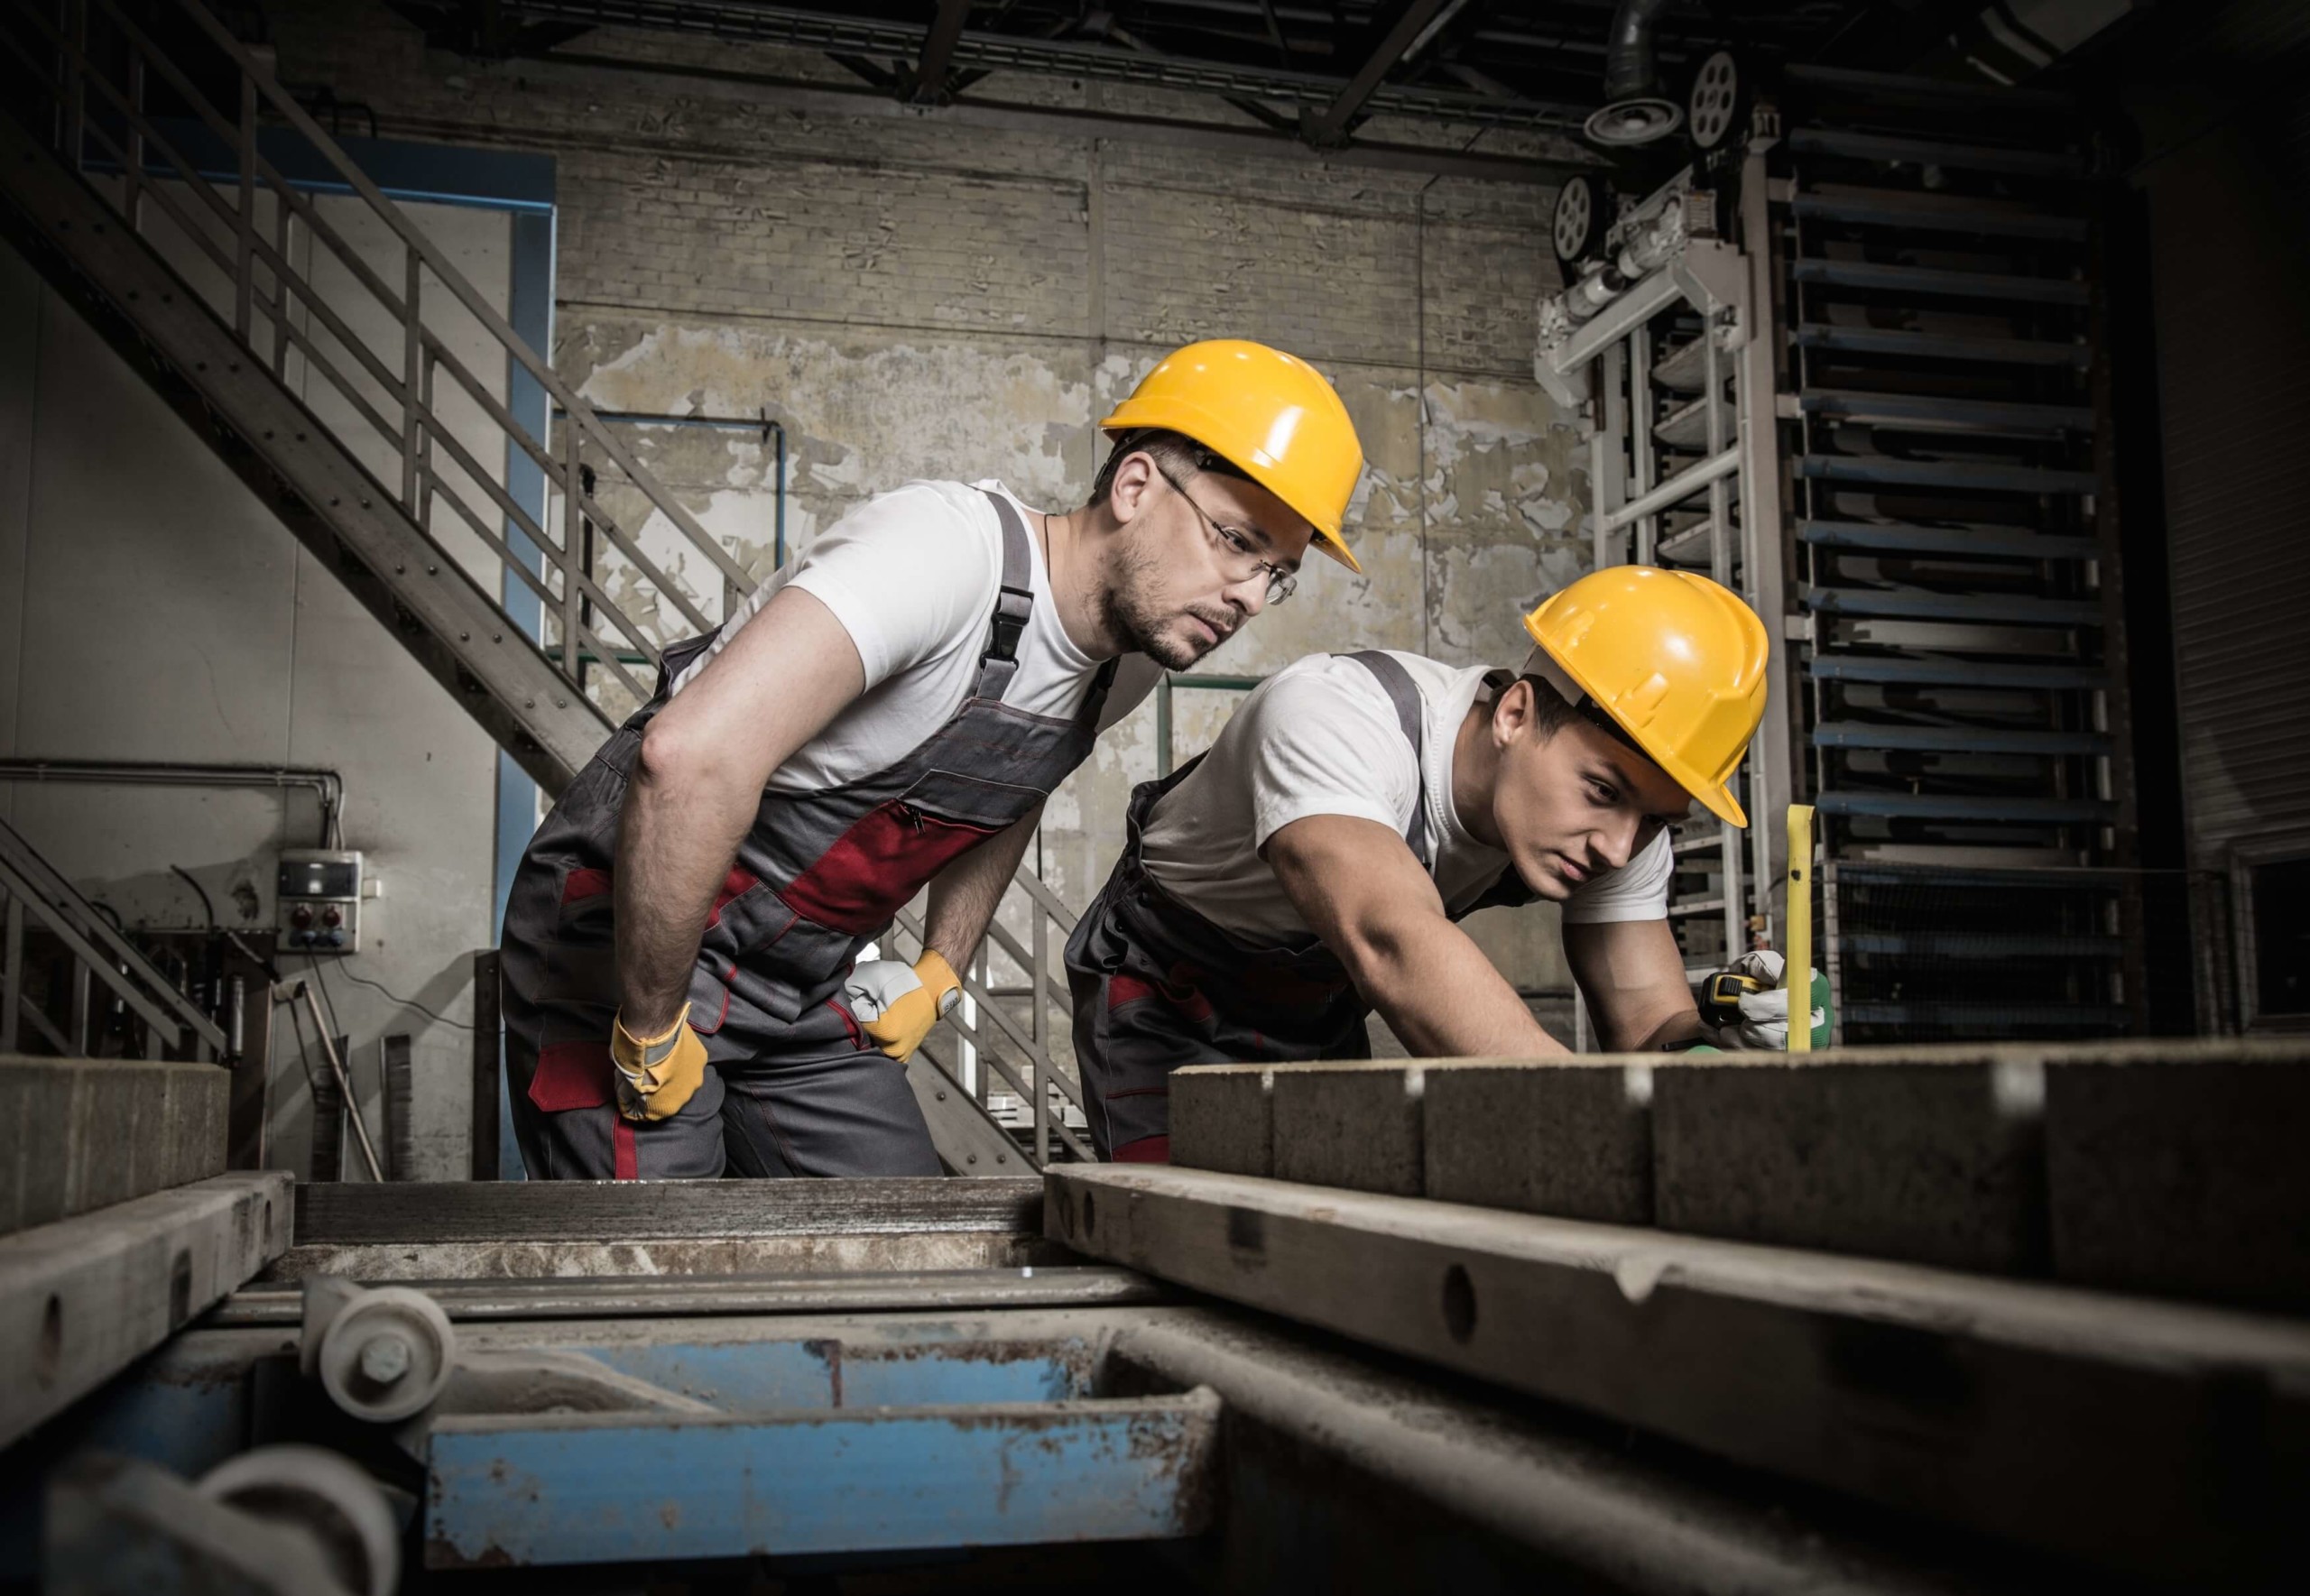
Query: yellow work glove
[898,1005]
[656,1075]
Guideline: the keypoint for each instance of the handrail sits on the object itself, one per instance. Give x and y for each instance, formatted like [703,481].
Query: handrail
[99,99]
[452,278]
[33,884]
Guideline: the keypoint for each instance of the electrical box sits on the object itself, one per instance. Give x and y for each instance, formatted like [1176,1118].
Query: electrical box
[320,893]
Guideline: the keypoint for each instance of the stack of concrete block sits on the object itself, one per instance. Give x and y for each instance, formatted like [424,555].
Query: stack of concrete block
[77,1134]
[2175,1168]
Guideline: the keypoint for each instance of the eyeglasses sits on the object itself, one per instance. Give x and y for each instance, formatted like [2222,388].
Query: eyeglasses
[1238,554]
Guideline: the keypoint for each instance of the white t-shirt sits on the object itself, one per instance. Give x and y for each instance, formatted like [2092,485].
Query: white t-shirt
[1321,737]
[912,577]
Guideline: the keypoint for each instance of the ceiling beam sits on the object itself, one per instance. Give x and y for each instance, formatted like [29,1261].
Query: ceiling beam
[1015,117]
[938,51]
[1329,126]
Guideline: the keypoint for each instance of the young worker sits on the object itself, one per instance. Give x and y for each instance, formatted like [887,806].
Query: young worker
[1311,867]
[889,711]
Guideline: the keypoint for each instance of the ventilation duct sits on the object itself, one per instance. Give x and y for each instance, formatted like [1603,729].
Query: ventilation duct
[1635,110]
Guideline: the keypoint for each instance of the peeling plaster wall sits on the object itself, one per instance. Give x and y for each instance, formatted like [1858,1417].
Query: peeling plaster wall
[910,298]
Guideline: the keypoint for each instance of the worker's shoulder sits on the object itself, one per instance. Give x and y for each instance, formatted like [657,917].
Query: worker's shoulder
[1316,693]
[1349,678]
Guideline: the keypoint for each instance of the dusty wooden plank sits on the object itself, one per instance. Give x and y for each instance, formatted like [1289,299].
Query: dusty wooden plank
[83,1133]
[82,1297]
[1572,1138]
[1937,1161]
[2144,1437]
[2182,1170]
[605,1210]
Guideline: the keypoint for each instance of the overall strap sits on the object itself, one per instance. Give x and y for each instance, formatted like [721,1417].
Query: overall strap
[1013,603]
[1410,715]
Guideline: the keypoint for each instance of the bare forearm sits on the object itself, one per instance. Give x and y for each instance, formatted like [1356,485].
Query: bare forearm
[1440,994]
[963,895]
[1632,976]
[674,849]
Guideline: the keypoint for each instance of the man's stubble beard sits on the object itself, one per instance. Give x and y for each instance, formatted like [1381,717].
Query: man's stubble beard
[1130,612]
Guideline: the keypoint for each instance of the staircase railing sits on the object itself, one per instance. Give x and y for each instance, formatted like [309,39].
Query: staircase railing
[138,123]
[98,953]
[100,69]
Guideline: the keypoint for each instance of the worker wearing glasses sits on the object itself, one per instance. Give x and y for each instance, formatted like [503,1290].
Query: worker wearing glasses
[684,986]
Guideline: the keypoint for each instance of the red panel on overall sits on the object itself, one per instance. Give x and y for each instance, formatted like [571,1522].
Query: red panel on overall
[880,862]
[571,1074]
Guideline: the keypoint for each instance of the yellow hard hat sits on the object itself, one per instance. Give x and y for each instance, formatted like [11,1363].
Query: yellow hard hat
[1271,413]
[1678,662]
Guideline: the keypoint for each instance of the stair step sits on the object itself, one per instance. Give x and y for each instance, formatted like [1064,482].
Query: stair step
[1976,944]
[1954,805]
[1928,412]
[1946,474]
[1957,739]
[1962,540]
[1692,906]
[1918,604]
[1938,213]
[1942,671]
[1874,146]
[1940,283]
[1859,340]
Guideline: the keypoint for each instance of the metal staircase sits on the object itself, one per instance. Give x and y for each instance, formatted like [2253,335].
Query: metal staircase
[136,174]
[1963,736]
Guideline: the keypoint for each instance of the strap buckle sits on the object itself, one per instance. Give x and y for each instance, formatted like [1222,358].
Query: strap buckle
[1013,606]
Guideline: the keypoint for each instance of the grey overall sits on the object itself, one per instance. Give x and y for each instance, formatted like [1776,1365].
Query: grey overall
[796,1087]
[1157,986]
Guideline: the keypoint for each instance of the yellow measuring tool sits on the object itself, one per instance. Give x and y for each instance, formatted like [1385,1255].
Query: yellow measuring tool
[1797,975]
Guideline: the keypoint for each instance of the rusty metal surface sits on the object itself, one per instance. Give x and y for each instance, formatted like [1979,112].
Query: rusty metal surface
[610,1212]
[661,1296]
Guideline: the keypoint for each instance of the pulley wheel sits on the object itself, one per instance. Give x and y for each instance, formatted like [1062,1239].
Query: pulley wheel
[1716,101]
[1579,227]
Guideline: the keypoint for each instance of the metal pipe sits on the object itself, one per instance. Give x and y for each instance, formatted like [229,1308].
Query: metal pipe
[328,786]
[1631,68]
[344,1081]
[1682,486]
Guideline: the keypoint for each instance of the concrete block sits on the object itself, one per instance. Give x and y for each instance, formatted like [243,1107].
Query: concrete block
[1930,1154]
[86,1133]
[1354,1125]
[1223,1117]
[2179,1168]
[1568,1138]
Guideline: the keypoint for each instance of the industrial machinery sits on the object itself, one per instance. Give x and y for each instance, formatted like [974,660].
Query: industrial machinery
[1607,1326]
[1842,363]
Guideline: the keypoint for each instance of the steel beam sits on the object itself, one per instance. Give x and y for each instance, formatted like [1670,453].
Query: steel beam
[938,51]
[1329,126]
[2086,1424]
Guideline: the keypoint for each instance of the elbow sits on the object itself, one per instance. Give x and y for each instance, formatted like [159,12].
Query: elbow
[671,758]
[1374,955]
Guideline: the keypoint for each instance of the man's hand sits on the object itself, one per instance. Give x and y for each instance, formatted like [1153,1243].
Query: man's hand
[1763,1019]
[655,1076]
[898,1004]
[1361,889]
